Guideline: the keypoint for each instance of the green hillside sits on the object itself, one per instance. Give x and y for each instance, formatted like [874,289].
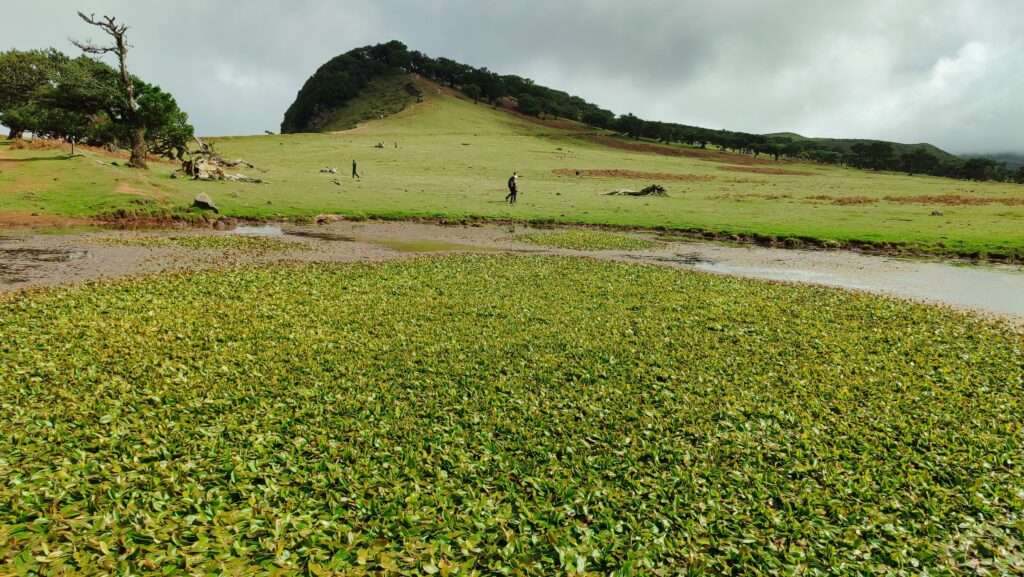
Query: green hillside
[847,144]
[383,96]
[1013,161]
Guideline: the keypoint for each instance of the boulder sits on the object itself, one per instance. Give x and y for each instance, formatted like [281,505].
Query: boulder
[204,202]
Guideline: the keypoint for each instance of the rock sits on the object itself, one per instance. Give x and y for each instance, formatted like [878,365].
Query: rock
[204,202]
[326,218]
[242,178]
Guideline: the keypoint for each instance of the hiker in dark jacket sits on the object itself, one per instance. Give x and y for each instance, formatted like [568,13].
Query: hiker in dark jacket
[513,188]
[355,173]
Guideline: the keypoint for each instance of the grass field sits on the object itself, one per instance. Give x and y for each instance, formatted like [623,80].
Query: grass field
[453,157]
[433,417]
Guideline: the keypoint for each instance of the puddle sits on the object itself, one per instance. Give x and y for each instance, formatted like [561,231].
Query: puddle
[41,254]
[989,288]
[17,264]
[275,231]
[992,288]
[261,230]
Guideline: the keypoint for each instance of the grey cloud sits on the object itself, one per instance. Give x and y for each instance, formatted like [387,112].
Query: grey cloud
[943,71]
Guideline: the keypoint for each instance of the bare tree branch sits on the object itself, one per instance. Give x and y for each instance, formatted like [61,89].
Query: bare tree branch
[89,48]
[118,32]
[108,24]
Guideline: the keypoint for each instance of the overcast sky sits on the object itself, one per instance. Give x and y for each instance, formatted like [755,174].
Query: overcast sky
[950,72]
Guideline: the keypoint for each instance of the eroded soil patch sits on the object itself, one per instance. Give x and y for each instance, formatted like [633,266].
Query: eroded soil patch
[633,174]
[766,170]
[740,197]
[23,220]
[843,200]
[956,200]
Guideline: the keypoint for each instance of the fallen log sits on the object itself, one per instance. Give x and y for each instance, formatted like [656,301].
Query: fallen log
[204,163]
[652,190]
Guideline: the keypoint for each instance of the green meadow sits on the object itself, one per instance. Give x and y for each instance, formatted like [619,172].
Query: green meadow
[449,158]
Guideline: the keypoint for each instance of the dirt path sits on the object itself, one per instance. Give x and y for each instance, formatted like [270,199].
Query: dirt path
[29,260]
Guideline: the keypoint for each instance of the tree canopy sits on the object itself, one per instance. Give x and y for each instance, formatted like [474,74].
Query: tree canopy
[79,99]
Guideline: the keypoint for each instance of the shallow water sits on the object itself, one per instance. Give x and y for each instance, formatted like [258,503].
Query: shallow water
[406,245]
[988,288]
[19,264]
[992,288]
[275,231]
[258,230]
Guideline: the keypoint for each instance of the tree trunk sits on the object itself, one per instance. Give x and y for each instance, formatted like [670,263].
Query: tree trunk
[138,159]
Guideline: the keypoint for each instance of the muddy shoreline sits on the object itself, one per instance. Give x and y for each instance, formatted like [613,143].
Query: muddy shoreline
[29,259]
[867,247]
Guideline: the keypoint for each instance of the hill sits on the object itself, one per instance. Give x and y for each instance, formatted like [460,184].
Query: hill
[1013,160]
[846,144]
[336,94]
[372,82]
[359,85]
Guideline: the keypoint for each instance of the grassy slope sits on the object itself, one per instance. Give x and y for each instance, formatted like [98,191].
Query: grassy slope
[384,96]
[453,159]
[433,417]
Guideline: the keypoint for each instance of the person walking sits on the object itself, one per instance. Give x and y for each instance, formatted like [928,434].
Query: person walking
[513,188]
[355,172]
